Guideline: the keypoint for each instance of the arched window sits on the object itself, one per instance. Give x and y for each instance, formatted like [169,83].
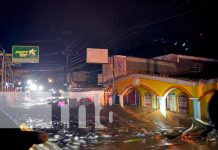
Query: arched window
[148,100]
[183,103]
[171,102]
[132,97]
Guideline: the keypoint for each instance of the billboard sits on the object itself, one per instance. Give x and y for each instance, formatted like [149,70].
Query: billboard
[97,56]
[25,54]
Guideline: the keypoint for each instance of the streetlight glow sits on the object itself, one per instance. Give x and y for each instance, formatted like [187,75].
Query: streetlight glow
[33,87]
[41,87]
[50,80]
[29,82]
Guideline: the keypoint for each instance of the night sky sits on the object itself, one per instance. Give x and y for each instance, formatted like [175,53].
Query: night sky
[143,28]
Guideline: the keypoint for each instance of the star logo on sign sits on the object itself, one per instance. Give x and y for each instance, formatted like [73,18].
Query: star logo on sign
[32,52]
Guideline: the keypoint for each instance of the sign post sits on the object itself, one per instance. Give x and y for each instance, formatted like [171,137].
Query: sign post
[25,54]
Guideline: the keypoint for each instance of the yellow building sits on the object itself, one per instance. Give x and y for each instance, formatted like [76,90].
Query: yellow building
[159,91]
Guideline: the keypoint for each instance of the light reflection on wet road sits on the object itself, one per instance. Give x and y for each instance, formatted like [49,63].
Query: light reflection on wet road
[137,129]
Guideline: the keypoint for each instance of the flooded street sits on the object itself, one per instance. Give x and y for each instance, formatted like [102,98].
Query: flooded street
[108,75]
[133,129]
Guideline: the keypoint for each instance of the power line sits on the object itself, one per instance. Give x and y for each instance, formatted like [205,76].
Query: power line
[139,27]
[74,42]
[77,62]
[79,58]
[81,66]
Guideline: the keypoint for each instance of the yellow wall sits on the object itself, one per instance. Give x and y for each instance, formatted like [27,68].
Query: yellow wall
[204,98]
[142,93]
[204,104]
[159,88]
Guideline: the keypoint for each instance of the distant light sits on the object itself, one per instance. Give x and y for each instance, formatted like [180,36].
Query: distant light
[33,87]
[19,83]
[54,92]
[61,91]
[29,81]
[201,34]
[186,49]
[50,80]
[175,43]
[183,44]
[41,88]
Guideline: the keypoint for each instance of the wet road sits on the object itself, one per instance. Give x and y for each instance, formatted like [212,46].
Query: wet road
[133,129]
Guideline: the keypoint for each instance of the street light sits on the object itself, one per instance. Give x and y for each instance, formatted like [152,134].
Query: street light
[50,80]
[29,82]
[33,87]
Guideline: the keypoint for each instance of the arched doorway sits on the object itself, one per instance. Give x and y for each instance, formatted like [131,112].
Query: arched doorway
[171,102]
[132,97]
[183,103]
[148,100]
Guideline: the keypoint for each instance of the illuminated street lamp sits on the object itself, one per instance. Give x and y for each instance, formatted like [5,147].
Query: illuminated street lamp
[33,87]
[29,82]
[50,80]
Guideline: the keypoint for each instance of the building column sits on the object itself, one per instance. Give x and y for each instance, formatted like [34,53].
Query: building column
[153,101]
[196,108]
[162,103]
[121,100]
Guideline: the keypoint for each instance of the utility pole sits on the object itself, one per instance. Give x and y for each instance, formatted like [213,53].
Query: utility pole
[67,71]
[2,71]
[66,52]
[113,80]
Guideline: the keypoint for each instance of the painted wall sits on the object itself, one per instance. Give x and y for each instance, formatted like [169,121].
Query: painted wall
[204,101]
[142,92]
[159,86]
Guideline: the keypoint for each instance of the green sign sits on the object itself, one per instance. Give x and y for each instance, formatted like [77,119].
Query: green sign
[25,54]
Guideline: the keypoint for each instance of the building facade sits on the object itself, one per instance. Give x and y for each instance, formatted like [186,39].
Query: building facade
[7,78]
[166,65]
